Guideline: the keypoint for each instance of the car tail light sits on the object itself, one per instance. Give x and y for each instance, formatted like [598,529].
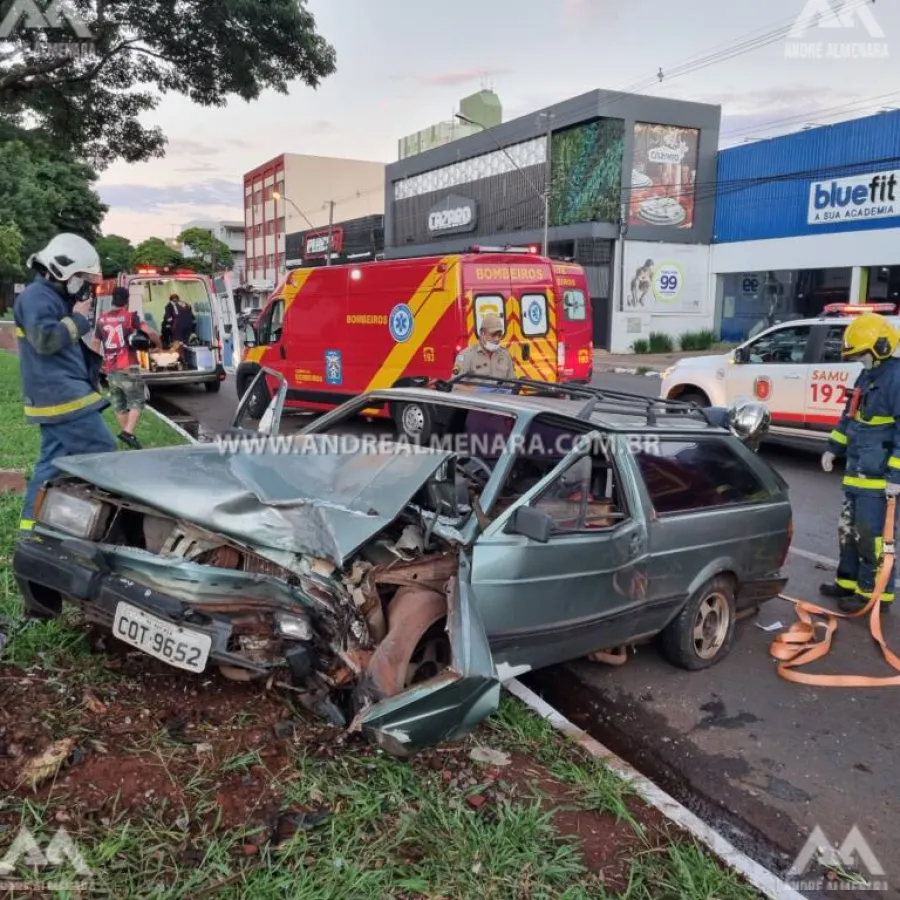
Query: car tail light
[561,356]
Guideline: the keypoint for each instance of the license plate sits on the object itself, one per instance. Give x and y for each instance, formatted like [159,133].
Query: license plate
[183,649]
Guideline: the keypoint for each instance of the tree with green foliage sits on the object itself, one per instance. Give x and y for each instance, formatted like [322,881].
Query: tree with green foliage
[11,269]
[103,66]
[216,255]
[116,254]
[156,252]
[45,192]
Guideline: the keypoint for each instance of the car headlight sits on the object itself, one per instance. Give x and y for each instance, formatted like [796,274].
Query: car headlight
[77,516]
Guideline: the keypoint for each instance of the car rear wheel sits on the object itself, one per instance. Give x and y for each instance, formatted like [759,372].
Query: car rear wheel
[703,633]
[213,387]
[415,422]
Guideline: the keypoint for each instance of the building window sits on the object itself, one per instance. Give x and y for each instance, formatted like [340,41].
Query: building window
[525,154]
[749,302]
[688,476]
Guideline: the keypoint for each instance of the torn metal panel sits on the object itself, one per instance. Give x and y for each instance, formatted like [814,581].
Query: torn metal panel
[319,503]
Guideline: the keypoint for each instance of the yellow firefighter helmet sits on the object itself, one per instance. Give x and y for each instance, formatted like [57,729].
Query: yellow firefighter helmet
[870,333]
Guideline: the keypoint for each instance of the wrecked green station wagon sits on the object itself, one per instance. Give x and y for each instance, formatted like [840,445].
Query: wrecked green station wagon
[393,586]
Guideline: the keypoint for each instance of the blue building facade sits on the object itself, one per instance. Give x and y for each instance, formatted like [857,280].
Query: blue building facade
[807,219]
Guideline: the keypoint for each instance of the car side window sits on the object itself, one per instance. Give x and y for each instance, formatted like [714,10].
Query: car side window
[687,476]
[785,345]
[583,498]
[834,341]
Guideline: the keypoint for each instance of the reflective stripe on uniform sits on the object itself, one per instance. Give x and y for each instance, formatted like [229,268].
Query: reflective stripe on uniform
[26,524]
[875,421]
[894,463]
[838,437]
[20,333]
[870,484]
[846,583]
[867,595]
[62,409]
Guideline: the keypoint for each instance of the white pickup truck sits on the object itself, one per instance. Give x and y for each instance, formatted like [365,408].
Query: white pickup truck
[795,368]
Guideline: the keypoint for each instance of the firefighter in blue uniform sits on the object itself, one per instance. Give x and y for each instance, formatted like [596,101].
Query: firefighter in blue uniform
[868,435]
[60,372]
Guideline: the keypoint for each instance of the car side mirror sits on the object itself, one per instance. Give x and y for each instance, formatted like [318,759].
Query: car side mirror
[250,338]
[531,523]
[742,355]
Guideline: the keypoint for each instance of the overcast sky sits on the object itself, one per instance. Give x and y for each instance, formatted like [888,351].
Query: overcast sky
[403,65]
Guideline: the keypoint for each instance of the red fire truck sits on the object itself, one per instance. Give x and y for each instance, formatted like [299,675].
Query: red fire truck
[150,289]
[335,332]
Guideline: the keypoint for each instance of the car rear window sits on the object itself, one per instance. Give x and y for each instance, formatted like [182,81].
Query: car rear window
[686,476]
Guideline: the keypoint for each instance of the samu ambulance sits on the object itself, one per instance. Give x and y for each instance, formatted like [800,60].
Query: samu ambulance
[335,332]
[795,368]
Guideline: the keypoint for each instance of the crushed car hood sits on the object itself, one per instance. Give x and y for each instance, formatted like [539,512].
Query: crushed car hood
[314,502]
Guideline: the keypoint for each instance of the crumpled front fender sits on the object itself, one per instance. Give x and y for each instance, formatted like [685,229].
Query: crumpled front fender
[454,702]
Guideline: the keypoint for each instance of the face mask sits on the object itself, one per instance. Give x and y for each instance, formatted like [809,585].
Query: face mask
[78,288]
[868,361]
[491,347]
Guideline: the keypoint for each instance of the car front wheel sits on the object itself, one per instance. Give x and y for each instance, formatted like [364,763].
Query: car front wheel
[703,633]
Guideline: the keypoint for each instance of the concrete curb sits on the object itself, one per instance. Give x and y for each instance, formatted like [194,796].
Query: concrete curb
[755,874]
[174,426]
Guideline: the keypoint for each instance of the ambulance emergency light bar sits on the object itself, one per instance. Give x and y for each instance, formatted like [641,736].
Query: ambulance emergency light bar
[856,309]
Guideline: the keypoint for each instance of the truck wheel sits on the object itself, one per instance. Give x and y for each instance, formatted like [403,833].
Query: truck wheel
[213,387]
[703,633]
[415,421]
[694,397]
[260,400]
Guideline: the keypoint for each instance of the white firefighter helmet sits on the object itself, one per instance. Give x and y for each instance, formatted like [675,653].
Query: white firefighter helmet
[69,256]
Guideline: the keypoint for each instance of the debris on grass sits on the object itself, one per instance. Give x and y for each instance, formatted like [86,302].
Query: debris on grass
[47,764]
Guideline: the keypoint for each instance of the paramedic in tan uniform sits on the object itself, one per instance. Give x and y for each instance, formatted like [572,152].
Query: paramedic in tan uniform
[487,357]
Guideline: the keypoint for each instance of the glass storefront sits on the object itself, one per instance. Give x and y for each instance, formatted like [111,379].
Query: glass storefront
[748,302]
[882,284]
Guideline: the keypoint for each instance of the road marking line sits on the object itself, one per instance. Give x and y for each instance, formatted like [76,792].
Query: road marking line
[815,557]
[761,878]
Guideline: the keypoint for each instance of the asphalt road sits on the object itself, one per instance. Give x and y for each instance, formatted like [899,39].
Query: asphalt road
[765,760]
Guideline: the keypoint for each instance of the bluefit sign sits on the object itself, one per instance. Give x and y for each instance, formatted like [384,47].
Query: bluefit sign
[855,199]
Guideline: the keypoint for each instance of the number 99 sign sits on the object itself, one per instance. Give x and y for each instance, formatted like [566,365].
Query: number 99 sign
[667,283]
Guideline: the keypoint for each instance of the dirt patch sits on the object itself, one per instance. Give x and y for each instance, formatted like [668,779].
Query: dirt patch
[607,845]
[151,741]
[8,340]
[12,481]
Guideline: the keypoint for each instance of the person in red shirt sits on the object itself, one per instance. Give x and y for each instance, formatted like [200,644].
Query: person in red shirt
[119,334]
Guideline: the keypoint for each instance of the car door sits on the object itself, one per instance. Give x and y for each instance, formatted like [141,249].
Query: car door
[831,379]
[576,588]
[774,367]
[270,335]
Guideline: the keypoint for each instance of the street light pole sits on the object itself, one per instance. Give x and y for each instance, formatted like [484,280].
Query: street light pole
[544,195]
[330,204]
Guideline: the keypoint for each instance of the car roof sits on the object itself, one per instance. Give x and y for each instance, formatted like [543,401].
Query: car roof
[623,419]
[824,320]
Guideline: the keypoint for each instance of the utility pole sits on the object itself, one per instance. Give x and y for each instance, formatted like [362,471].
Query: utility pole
[547,183]
[330,204]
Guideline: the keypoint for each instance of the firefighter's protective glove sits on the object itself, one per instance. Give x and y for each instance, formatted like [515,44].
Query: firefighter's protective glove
[893,490]
[828,461]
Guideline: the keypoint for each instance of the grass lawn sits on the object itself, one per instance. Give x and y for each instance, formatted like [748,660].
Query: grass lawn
[175,786]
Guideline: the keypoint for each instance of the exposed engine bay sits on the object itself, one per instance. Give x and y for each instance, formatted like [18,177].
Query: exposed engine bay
[341,638]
